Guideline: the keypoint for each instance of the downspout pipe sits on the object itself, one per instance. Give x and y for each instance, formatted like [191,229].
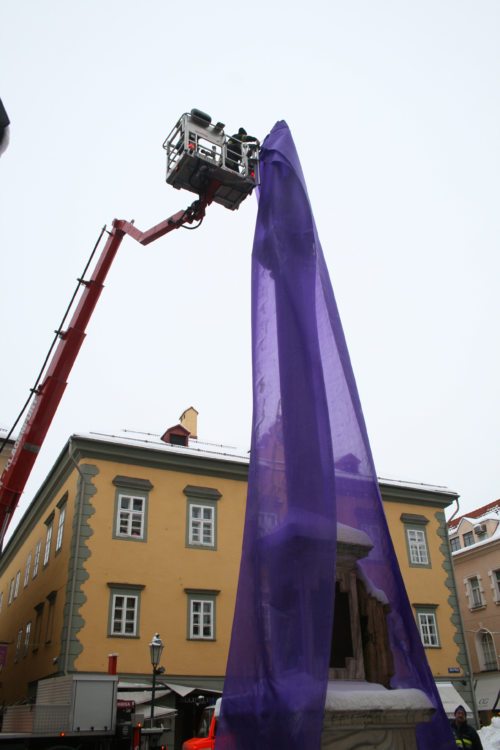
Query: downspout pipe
[469,675]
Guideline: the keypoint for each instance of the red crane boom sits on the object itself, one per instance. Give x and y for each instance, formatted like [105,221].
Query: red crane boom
[201,159]
[48,394]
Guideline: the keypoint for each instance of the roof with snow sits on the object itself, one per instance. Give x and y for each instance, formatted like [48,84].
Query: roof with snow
[154,442]
[485,511]
[206,449]
[492,538]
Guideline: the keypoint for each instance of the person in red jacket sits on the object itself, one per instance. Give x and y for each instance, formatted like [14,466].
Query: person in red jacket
[465,735]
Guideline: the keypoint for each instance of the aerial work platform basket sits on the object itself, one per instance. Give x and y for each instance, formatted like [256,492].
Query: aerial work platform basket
[199,154]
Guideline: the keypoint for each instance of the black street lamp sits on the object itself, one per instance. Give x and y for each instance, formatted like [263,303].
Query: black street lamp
[155,651]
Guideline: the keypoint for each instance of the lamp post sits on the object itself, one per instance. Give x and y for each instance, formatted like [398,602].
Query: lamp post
[155,651]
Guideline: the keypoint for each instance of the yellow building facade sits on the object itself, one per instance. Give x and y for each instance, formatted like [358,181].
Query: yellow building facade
[133,535]
[416,520]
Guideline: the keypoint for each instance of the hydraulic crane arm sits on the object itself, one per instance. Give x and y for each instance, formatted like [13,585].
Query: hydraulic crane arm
[48,394]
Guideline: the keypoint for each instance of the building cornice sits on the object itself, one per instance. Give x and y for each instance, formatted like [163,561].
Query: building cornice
[438,497]
[217,466]
[80,448]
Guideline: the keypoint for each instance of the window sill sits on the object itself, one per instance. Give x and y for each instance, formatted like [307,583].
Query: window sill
[202,640]
[131,538]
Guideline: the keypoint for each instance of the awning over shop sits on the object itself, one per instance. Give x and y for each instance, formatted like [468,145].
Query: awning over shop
[451,698]
[184,690]
[141,696]
[140,692]
[487,692]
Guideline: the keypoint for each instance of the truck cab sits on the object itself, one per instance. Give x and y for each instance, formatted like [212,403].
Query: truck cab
[205,739]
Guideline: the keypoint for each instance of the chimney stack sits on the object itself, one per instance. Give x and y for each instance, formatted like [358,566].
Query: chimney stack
[189,420]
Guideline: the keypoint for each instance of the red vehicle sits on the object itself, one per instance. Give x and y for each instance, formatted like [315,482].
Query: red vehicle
[205,740]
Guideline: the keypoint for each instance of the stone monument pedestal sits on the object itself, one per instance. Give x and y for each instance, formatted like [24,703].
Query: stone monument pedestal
[363,715]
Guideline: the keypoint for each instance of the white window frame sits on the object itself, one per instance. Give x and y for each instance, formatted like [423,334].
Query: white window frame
[48,542]
[201,525]
[36,562]
[427,625]
[130,519]
[495,584]
[27,638]
[131,523]
[11,591]
[417,546]
[130,603]
[474,591]
[201,619]
[201,516]
[488,656]
[17,583]
[60,527]
[27,570]
[19,641]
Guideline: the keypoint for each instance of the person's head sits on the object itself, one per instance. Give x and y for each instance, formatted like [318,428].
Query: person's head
[242,131]
[460,715]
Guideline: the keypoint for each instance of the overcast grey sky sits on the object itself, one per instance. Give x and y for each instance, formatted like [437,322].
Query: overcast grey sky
[395,111]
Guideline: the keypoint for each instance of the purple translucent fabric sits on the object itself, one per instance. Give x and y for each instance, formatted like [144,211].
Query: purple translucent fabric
[310,467]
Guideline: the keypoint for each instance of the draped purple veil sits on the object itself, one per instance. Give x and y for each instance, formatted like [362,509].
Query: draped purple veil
[310,467]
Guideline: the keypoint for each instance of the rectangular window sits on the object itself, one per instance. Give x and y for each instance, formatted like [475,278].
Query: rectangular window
[48,540]
[489,657]
[201,516]
[468,538]
[1,600]
[19,641]
[16,584]
[60,527]
[131,508]
[130,517]
[417,545]
[37,633]
[27,571]
[36,562]
[124,616]
[495,584]
[475,594]
[427,626]
[201,619]
[11,591]
[27,638]
[201,614]
[51,598]
[201,525]
[455,543]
